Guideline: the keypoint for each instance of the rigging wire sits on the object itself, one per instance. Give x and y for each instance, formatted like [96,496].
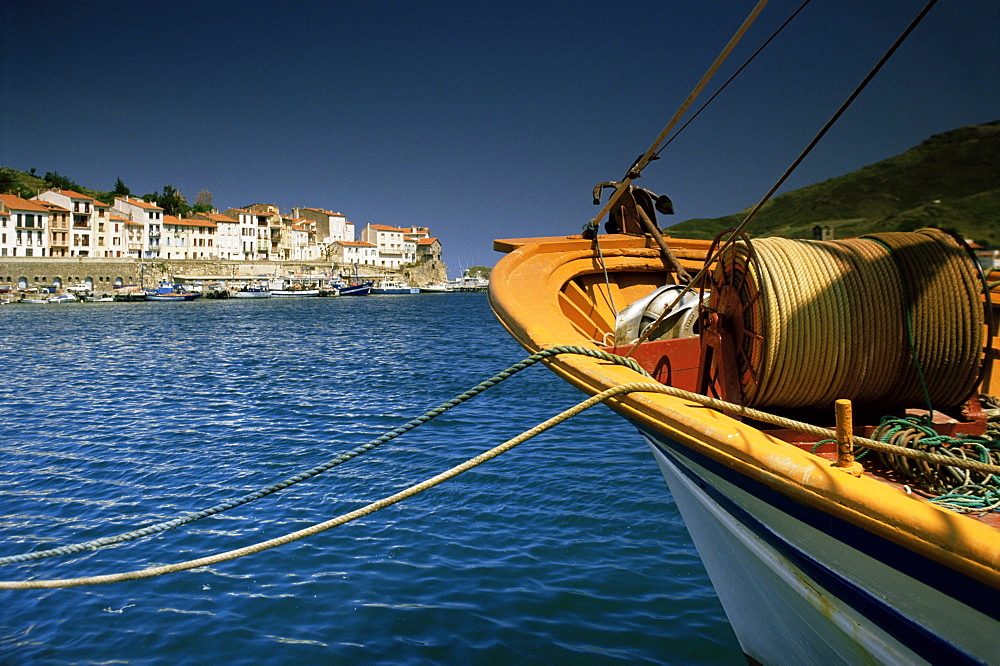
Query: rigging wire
[649,154]
[788,172]
[733,77]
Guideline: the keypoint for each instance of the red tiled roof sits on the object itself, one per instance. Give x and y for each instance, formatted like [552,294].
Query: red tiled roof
[427,241]
[75,195]
[15,202]
[138,202]
[383,227]
[187,222]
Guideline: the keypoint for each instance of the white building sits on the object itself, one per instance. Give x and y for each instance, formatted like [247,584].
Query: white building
[330,226]
[188,238]
[83,229]
[150,216]
[227,242]
[394,248]
[24,227]
[354,252]
[302,235]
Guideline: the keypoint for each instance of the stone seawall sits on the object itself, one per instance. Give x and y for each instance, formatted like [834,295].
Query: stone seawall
[23,272]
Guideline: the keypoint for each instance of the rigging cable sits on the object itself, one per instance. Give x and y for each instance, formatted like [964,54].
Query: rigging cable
[649,154]
[733,77]
[788,172]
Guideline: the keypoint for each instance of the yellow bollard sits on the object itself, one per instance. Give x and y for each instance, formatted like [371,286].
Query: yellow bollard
[845,443]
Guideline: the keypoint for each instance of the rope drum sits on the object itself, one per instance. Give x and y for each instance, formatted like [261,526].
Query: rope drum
[891,318]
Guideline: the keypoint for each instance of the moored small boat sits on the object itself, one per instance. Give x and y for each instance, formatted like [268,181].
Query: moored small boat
[435,288]
[393,287]
[251,291]
[360,288]
[811,561]
[174,296]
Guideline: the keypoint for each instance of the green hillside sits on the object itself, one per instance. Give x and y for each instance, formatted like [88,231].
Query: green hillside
[27,185]
[950,181]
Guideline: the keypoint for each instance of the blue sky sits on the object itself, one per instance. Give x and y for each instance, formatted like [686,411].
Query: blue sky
[479,120]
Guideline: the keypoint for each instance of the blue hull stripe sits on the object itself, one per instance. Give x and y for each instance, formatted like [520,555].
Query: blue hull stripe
[927,644]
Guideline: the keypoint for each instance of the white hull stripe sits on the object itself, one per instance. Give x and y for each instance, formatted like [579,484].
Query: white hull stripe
[918,638]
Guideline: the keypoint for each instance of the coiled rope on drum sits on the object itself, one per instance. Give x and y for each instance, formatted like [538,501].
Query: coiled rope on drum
[330,464]
[838,320]
[643,387]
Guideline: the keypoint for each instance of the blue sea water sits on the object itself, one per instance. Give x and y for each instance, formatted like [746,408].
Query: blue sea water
[568,549]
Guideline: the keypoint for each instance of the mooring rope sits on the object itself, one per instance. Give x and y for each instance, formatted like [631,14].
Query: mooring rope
[317,528]
[319,469]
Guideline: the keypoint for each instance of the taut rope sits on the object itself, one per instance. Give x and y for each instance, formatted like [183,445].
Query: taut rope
[634,387]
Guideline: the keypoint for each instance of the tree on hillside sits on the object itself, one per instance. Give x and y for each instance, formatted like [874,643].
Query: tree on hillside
[8,181]
[203,202]
[172,201]
[60,182]
[121,190]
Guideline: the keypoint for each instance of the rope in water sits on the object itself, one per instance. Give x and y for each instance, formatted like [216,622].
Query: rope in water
[838,320]
[317,528]
[319,469]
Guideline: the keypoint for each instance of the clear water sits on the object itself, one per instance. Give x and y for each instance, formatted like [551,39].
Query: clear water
[568,549]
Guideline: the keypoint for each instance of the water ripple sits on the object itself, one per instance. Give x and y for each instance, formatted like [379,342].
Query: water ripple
[568,549]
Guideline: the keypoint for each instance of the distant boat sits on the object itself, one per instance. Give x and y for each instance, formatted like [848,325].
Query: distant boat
[174,296]
[394,287]
[292,290]
[292,293]
[358,289]
[252,292]
[467,283]
[98,299]
[434,288]
[63,298]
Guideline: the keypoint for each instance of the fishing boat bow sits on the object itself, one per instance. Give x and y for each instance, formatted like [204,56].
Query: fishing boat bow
[811,561]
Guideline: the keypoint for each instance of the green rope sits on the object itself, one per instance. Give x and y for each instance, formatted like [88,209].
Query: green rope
[319,469]
[944,485]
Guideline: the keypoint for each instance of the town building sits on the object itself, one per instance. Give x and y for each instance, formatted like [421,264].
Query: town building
[150,216]
[83,229]
[58,236]
[188,238]
[330,226]
[64,223]
[227,238]
[24,234]
[428,249]
[394,248]
[356,253]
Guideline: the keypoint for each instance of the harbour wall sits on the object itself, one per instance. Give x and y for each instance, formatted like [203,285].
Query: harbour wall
[107,273]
